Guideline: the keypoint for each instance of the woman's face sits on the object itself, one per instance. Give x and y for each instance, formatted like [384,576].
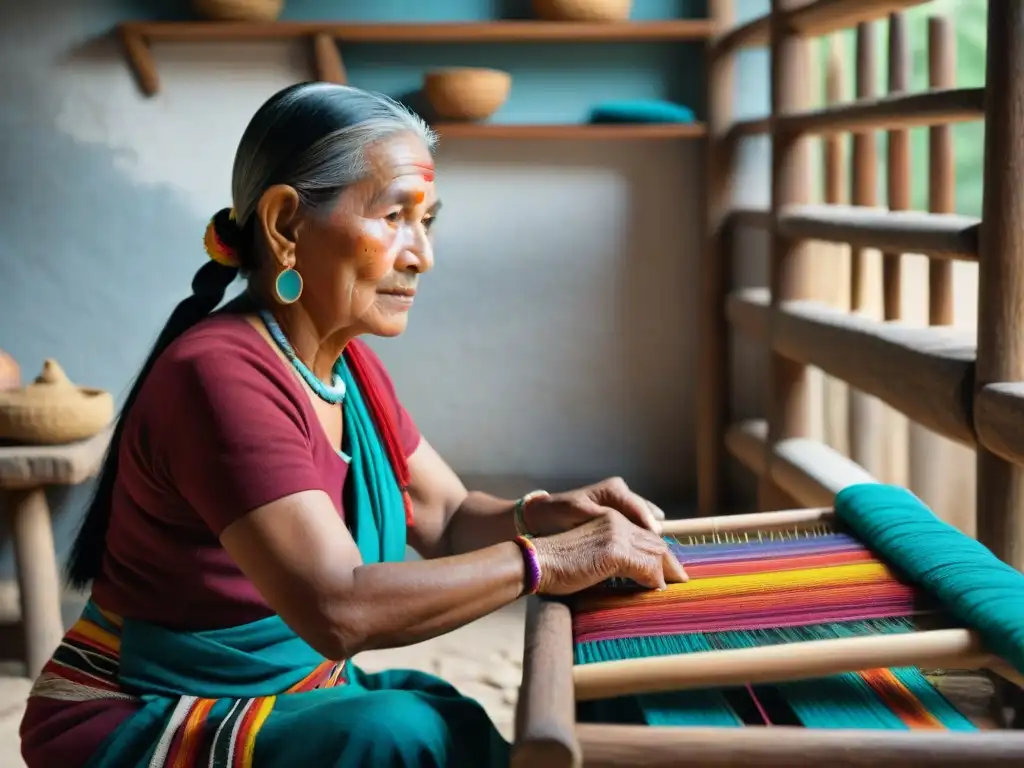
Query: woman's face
[361,261]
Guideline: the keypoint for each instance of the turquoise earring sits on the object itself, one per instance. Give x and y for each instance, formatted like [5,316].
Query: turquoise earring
[288,286]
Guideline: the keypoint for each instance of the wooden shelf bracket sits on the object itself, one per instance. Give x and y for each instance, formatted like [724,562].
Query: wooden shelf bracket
[140,59]
[327,60]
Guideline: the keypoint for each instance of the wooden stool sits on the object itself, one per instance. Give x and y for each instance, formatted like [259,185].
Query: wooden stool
[25,472]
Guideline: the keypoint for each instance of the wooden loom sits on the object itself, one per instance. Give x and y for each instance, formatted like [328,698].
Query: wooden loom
[553,687]
[965,386]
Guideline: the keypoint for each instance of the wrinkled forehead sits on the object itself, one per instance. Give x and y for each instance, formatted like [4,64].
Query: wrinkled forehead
[402,155]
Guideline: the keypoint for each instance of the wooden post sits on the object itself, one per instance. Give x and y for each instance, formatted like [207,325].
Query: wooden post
[713,380]
[938,473]
[898,162]
[38,576]
[789,274]
[836,401]
[895,428]
[941,166]
[546,710]
[865,412]
[1000,484]
[832,144]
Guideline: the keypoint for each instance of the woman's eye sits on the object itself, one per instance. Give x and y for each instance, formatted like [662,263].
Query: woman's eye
[428,221]
[394,216]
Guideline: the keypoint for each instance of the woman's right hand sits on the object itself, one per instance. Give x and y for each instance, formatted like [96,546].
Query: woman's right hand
[609,546]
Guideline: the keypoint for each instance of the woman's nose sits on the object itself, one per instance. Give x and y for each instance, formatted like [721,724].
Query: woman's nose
[418,257]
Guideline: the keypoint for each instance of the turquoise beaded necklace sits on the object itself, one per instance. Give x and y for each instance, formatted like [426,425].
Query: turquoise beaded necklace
[333,393]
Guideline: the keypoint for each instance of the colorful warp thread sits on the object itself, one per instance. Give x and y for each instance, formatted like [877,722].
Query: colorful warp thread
[756,590]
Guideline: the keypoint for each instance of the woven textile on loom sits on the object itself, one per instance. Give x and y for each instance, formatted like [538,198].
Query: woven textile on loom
[757,589]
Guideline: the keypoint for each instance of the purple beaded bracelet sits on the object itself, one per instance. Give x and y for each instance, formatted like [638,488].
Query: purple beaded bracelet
[532,565]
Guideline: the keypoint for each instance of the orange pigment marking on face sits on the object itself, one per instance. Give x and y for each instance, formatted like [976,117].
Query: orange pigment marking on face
[373,264]
[418,197]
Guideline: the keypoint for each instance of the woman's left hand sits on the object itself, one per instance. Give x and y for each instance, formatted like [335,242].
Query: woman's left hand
[558,512]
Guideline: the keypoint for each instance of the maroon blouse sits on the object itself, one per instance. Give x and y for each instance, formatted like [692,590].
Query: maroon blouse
[221,426]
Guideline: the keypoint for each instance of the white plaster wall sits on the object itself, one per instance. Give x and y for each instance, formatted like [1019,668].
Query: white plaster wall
[553,344]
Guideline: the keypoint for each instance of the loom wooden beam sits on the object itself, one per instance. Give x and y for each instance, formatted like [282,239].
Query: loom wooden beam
[545,713]
[812,19]
[631,746]
[1000,483]
[925,373]
[936,649]
[714,384]
[940,236]
[761,521]
[809,471]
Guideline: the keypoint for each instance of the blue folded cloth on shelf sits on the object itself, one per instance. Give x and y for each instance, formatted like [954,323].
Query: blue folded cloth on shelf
[641,111]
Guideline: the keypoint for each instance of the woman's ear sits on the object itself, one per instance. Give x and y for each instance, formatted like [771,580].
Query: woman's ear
[278,215]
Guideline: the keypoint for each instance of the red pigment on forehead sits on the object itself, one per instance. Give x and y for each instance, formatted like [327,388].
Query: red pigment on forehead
[427,170]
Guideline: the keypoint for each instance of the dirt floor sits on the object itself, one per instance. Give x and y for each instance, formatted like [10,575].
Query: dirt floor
[482,660]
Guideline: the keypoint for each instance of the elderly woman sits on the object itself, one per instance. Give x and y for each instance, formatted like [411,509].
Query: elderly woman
[249,530]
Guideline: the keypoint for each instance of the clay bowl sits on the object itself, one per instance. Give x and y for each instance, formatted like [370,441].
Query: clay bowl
[466,93]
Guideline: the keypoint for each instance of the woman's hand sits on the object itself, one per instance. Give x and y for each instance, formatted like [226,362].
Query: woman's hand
[607,546]
[561,512]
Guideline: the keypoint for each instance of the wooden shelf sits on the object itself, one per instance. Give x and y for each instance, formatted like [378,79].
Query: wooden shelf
[325,36]
[675,30]
[580,132]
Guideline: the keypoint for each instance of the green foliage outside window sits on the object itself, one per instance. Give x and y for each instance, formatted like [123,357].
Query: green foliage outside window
[969,22]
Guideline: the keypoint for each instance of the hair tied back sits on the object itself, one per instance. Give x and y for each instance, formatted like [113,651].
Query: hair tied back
[222,238]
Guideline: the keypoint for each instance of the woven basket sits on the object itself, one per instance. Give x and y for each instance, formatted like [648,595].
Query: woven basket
[238,10]
[52,410]
[582,10]
[10,373]
[464,93]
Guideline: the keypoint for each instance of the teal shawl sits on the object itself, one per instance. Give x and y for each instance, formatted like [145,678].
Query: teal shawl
[374,506]
[206,696]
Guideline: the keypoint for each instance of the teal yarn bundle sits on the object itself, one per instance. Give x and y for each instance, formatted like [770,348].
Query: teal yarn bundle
[971,583]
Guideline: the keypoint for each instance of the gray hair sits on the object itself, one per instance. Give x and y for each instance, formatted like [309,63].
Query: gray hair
[313,137]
